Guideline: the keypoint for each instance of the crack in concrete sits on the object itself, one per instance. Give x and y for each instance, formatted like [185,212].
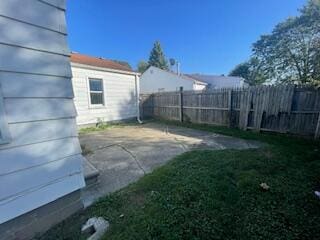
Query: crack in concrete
[133,156]
[123,148]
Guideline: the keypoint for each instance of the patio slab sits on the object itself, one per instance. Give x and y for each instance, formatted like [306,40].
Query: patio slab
[124,154]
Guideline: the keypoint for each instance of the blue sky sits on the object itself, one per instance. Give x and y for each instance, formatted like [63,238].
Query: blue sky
[206,36]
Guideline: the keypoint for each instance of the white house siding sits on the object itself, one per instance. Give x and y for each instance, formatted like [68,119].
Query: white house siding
[218,82]
[119,95]
[155,80]
[42,161]
[199,86]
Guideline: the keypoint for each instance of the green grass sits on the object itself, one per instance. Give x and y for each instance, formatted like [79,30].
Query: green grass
[216,195]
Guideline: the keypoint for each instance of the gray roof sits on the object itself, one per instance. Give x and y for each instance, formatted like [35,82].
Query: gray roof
[218,81]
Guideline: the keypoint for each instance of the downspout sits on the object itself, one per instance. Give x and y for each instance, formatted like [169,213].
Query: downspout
[137,81]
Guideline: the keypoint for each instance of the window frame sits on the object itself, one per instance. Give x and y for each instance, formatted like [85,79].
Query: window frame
[91,105]
[5,136]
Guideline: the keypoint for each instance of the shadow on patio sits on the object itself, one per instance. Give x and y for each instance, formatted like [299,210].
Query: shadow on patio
[122,155]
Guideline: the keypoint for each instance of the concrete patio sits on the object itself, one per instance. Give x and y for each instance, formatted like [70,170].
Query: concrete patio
[123,154]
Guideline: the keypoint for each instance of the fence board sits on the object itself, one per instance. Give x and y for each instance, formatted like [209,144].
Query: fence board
[284,108]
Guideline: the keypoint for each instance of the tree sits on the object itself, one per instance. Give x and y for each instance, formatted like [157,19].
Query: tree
[291,53]
[157,58]
[241,70]
[251,71]
[123,63]
[142,66]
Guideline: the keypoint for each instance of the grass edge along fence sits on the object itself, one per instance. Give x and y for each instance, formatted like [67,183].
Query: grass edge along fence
[283,108]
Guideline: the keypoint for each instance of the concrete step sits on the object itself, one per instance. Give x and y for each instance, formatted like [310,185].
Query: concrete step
[91,174]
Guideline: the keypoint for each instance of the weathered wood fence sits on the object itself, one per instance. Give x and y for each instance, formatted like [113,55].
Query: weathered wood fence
[285,109]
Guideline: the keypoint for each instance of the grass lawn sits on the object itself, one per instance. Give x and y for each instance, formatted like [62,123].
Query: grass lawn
[216,195]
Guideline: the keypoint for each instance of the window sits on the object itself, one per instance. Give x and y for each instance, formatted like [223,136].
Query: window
[4,129]
[96,91]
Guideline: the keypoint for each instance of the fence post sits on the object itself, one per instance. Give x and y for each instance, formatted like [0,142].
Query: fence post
[141,103]
[153,105]
[245,107]
[230,106]
[317,132]
[181,104]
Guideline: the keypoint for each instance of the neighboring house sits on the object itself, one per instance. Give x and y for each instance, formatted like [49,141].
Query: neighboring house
[40,155]
[104,90]
[216,82]
[155,80]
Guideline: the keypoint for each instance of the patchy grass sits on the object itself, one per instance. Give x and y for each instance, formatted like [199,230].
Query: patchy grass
[101,126]
[217,195]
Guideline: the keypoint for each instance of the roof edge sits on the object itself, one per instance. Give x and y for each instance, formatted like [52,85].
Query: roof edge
[183,76]
[91,67]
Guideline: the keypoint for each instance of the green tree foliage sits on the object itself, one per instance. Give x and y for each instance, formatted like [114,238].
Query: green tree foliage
[241,70]
[142,66]
[291,53]
[157,57]
[251,71]
[123,63]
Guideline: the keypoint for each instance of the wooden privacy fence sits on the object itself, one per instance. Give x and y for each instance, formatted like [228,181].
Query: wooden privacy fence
[285,108]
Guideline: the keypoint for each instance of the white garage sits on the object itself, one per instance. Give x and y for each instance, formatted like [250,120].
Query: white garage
[104,90]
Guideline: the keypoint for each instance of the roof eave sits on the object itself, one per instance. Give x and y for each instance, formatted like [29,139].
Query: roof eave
[200,82]
[182,76]
[91,67]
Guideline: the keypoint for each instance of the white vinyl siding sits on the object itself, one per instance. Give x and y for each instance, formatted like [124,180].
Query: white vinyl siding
[198,86]
[44,40]
[57,3]
[42,131]
[42,161]
[34,12]
[156,80]
[4,131]
[119,95]
[35,86]
[23,60]
[38,109]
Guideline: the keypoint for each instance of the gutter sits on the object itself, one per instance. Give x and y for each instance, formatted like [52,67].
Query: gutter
[137,81]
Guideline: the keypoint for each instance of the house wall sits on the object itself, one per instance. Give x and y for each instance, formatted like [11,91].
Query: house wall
[227,82]
[42,161]
[119,95]
[154,80]
[198,86]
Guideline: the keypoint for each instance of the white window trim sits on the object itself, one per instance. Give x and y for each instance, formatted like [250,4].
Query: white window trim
[4,127]
[89,93]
